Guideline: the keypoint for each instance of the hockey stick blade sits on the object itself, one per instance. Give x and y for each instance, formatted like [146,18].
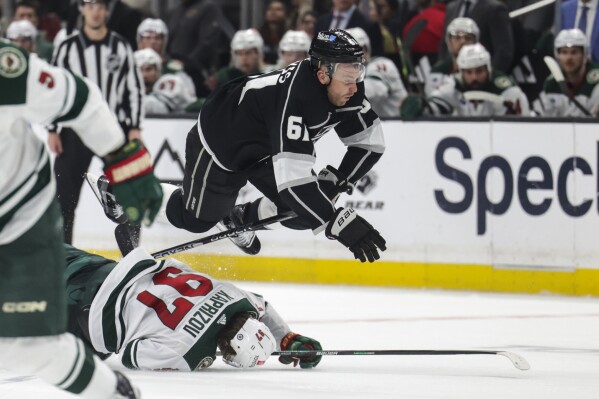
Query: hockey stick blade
[477,95]
[518,361]
[223,234]
[558,75]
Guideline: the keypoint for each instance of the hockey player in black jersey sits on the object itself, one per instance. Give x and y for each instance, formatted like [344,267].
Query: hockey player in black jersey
[262,129]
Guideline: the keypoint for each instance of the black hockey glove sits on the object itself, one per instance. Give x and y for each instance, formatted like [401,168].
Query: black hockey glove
[355,233]
[333,183]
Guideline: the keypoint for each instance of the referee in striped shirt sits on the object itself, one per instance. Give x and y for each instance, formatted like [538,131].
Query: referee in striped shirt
[105,58]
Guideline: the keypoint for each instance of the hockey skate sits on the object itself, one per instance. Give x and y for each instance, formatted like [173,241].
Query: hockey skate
[101,188]
[124,388]
[247,241]
[126,234]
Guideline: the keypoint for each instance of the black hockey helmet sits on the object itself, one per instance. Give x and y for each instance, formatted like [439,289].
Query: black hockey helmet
[335,46]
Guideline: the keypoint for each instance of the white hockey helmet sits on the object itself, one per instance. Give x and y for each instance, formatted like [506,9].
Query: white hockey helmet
[247,39]
[361,37]
[154,25]
[294,40]
[253,344]
[147,56]
[22,28]
[462,25]
[571,38]
[473,56]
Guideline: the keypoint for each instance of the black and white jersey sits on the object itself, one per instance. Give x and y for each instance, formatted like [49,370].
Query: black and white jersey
[280,115]
[108,63]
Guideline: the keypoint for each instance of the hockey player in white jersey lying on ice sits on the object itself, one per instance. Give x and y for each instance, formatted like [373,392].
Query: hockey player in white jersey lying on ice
[165,315]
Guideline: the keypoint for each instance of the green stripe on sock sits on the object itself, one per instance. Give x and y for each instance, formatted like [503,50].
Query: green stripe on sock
[72,368]
[85,375]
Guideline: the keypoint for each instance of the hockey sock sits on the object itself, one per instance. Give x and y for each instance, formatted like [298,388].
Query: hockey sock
[60,360]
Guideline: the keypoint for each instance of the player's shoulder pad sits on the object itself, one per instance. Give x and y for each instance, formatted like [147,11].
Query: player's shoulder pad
[13,60]
[592,77]
[173,65]
[501,81]
[381,66]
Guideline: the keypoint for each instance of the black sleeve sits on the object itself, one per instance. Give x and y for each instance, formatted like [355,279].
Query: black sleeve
[294,158]
[362,133]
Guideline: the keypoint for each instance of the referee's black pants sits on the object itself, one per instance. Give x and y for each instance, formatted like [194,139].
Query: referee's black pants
[69,169]
[209,192]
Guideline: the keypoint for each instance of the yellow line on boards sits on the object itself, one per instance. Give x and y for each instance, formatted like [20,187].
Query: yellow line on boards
[391,274]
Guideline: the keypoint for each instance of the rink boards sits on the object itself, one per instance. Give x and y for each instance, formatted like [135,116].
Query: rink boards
[495,206]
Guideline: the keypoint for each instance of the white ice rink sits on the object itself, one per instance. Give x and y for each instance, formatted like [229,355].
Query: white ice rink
[559,336]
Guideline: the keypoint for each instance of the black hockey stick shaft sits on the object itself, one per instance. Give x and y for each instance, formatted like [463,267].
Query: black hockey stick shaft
[564,88]
[381,353]
[224,234]
[518,361]
[405,52]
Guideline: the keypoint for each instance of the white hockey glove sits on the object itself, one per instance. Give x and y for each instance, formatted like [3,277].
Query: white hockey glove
[333,183]
[355,233]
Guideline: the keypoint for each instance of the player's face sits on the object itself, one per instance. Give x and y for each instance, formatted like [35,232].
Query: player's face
[94,14]
[571,59]
[28,13]
[344,83]
[247,61]
[275,12]
[475,77]
[457,41]
[307,25]
[25,43]
[152,40]
[289,57]
[150,74]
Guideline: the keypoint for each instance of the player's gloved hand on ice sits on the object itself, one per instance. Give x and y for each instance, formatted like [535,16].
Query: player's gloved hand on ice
[296,342]
[355,233]
[333,183]
[134,185]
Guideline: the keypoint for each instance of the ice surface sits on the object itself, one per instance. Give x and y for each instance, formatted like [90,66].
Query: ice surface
[558,336]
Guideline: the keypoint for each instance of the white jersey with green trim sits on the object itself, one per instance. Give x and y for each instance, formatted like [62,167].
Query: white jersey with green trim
[383,87]
[165,315]
[553,102]
[500,95]
[32,91]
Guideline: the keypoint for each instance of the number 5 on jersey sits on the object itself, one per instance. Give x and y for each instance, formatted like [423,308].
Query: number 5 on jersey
[295,127]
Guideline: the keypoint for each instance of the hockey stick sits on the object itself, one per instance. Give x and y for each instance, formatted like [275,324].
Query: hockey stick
[479,95]
[530,8]
[224,234]
[558,75]
[123,231]
[405,52]
[518,361]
